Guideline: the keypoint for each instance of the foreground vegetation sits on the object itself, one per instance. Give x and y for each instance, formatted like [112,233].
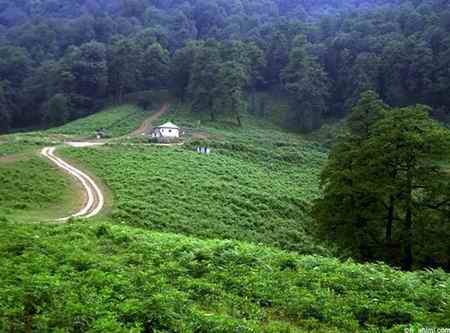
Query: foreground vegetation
[99,277]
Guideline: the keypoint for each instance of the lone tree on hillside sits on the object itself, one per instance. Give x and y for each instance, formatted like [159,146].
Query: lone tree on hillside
[386,188]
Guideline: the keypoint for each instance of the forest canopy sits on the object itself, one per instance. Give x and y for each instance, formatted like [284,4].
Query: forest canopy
[77,55]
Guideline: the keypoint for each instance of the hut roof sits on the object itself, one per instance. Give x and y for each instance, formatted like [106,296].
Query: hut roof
[169,125]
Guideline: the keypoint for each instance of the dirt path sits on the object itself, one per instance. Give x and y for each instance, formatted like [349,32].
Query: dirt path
[94,201]
[94,198]
[147,124]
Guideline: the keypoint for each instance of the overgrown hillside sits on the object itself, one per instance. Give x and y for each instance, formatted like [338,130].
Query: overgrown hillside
[98,277]
[194,243]
[256,185]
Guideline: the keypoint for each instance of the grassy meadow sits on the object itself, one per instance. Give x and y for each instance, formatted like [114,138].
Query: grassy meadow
[256,186]
[8,148]
[194,243]
[34,190]
[97,277]
[116,121]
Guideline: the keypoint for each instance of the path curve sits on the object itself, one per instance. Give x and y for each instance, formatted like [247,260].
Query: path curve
[94,201]
[147,124]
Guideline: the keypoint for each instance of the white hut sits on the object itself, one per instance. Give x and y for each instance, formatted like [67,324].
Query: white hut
[166,131]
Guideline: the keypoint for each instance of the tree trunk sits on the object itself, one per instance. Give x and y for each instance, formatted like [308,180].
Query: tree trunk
[262,107]
[235,110]
[120,95]
[211,110]
[28,324]
[238,119]
[253,101]
[30,311]
[407,250]
[390,221]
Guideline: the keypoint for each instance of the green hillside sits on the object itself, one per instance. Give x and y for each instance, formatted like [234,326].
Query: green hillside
[9,148]
[305,185]
[194,243]
[115,121]
[97,277]
[256,185]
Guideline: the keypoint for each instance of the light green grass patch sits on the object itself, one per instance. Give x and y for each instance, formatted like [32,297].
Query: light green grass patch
[10,148]
[33,190]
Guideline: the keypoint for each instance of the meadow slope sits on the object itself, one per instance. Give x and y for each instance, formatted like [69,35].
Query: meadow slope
[219,243]
[115,121]
[257,185]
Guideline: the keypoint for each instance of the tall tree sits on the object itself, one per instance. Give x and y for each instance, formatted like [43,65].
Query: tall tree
[412,146]
[204,81]
[5,117]
[181,70]
[308,87]
[124,65]
[232,80]
[88,66]
[57,110]
[155,68]
[345,212]
[380,179]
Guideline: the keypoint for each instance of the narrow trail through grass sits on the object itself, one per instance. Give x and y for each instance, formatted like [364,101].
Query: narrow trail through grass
[94,200]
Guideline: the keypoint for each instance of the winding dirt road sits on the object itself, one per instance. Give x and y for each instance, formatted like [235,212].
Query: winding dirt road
[94,200]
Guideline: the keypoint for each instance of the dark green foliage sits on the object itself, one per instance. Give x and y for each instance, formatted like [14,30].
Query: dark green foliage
[125,71]
[57,112]
[386,183]
[307,85]
[156,67]
[94,50]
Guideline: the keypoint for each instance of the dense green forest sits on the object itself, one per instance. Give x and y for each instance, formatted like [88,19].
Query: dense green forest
[60,60]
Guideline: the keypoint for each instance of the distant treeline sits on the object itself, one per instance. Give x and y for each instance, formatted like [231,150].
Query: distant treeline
[62,59]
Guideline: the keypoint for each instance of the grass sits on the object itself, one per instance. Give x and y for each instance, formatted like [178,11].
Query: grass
[31,188]
[211,197]
[97,277]
[116,121]
[9,148]
[194,243]
[256,186]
